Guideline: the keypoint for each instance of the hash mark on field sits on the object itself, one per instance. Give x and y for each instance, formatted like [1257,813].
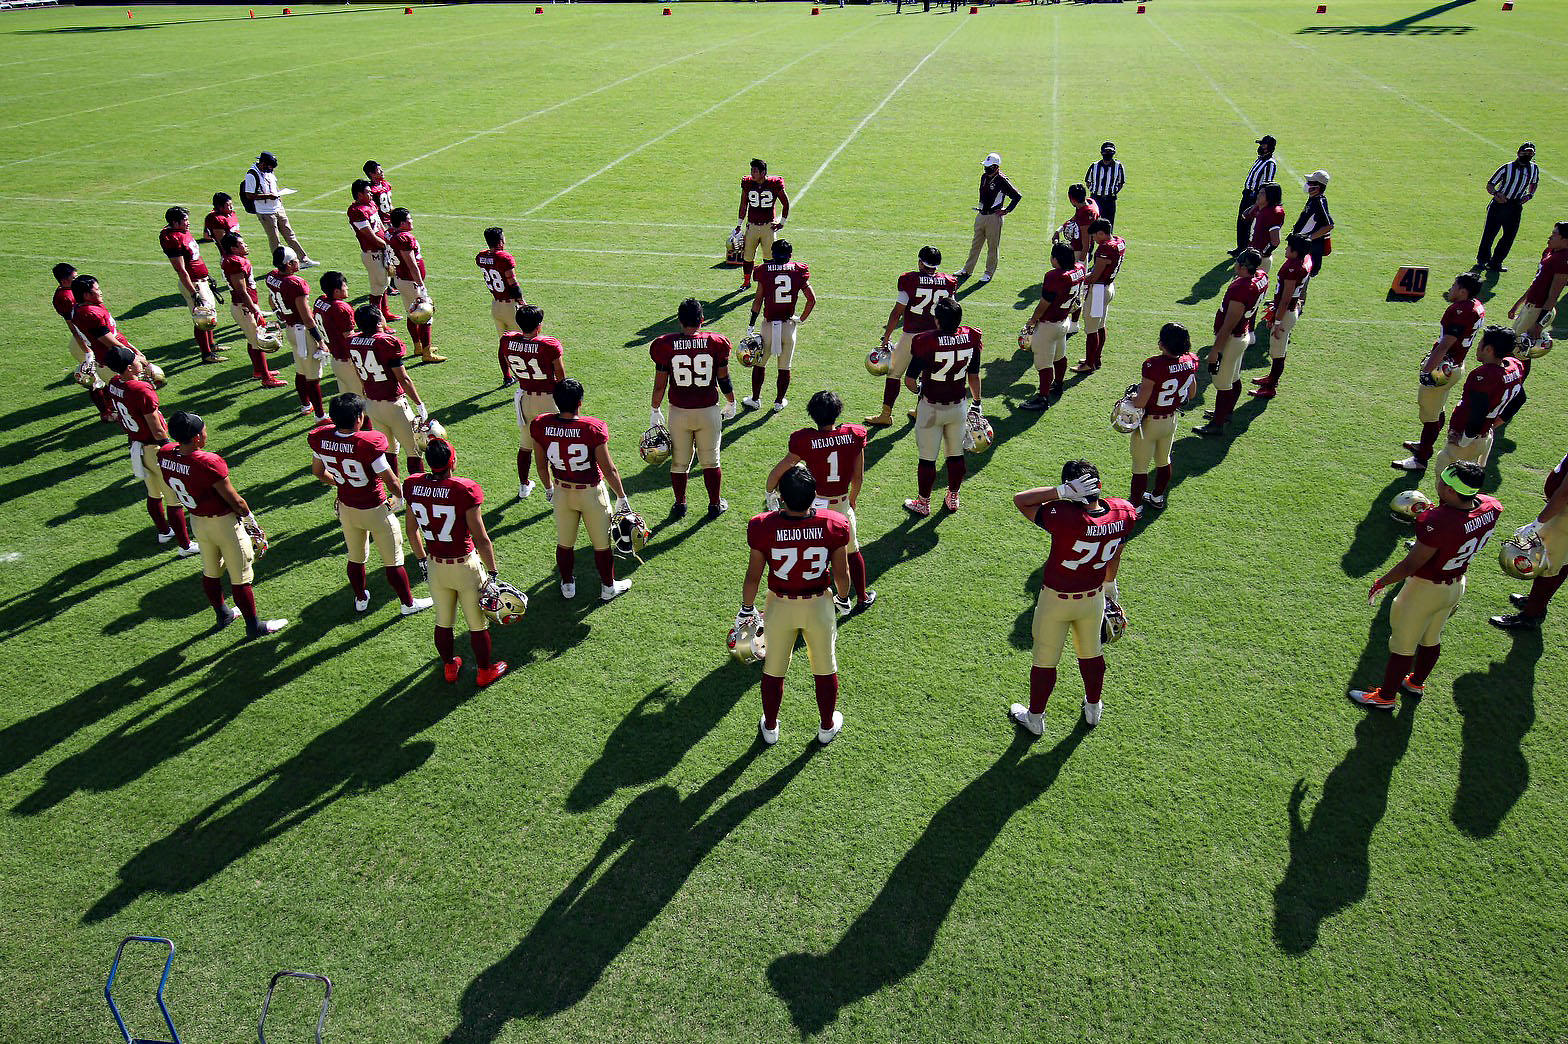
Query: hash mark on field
[11,556]
[870,116]
[689,121]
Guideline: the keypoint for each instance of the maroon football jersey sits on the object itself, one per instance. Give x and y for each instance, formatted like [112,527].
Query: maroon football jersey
[284,291]
[1554,481]
[1076,231]
[365,220]
[337,319]
[495,266]
[531,360]
[440,509]
[1083,544]
[830,456]
[1498,383]
[943,362]
[180,244]
[919,292]
[1113,249]
[133,401]
[1246,291]
[760,198]
[381,194]
[1064,288]
[571,446]
[377,358]
[781,286]
[237,266]
[1462,320]
[1265,219]
[799,550]
[1175,379]
[94,321]
[64,304]
[215,226]
[1457,534]
[1298,269]
[400,242]
[352,459]
[693,364]
[1553,264]
[194,478]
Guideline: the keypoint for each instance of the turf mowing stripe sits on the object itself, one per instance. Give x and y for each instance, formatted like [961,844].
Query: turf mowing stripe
[206,118]
[870,116]
[690,120]
[193,166]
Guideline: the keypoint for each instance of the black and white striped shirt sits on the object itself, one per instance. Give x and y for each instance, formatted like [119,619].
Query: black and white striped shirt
[1261,174]
[1104,179]
[1515,182]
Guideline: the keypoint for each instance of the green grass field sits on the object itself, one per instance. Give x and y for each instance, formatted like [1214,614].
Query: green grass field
[596,848]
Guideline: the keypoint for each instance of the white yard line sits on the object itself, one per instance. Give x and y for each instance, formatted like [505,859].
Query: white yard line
[182,170]
[800,195]
[687,123]
[140,133]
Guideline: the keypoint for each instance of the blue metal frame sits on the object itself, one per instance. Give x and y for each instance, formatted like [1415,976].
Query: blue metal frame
[108,990]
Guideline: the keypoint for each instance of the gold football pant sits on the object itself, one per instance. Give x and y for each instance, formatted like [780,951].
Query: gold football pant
[939,430]
[841,505]
[1476,453]
[225,547]
[530,405]
[1419,612]
[1055,614]
[454,584]
[1279,337]
[785,618]
[347,377]
[306,364]
[1431,402]
[758,235]
[1098,307]
[1555,535]
[1230,363]
[778,339]
[1151,444]
[504,313]
[695,430]
[589,505]
[396,422]
[144,465]
[376,271]
[360,525]
[899,364]
[1050,343]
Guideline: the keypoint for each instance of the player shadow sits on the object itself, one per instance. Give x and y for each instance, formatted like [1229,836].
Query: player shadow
[907,540]
[1378,533]
[75,584]
[205,697]
[151,305]
[372,748]
[892,937]
[653,737]
[1330,857]
[1402,27]
[1498,708]
[1210,283]
[1194,455]
[659,839]
[1022,634]
[105,499]
[713,312]
[83,428]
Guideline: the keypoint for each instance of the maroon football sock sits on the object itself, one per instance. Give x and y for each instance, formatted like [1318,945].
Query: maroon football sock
[925,477]
[302,389]
[1225,404]
[245,598]
[1426,659]
[356,579]
[827,698]
[1093,671]
[525,460]
[1276,370]
[416,465]
[212,587]
[1394,673]
[397,576]
[772,700]
[565,563]
[1041,681]
[758,375]
[392,460]
[413,332]
[889,393]
[1162,479]
[100,399]
[480,640]
[423,337]
[1140,484]
[1059,372]
[182,533]
[678,483]
[160,520]
[1045,383]
[314,389]
[746,269]
[1429,433]
[711,478]
[206,342]
[781,383]
[386,308]
[1541,592]
[857,573]
[604,562]
[1094,347]
[258,362]
[956,470]
[446,648]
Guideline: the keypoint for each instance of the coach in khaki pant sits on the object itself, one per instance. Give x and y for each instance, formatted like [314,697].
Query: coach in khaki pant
[998,198]
[261,187]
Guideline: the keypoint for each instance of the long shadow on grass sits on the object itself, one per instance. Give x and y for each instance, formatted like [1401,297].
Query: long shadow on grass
[896,933]
[81,582]
[372,748]
[1210,283]
[660,839]
[1498,707]
[1377,534]
[713,311]
[1330,860]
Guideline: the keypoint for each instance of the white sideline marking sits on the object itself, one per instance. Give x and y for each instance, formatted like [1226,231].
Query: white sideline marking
[688,122]
[870,116]
[537,113]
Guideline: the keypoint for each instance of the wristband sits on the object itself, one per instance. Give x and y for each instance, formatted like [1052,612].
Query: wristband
[726,385]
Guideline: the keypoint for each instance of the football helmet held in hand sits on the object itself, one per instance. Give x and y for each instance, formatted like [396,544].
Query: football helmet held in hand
[879,361]
[978,433]
[425,429]
[258,539]
[1408,505]
[1026,338]
[629,533]
[86,374]
[749,352]
[421,311]
[746,641]
[735,247]
[204,318]
[1442,374]
[1523,555]
[1529,347]
[1114,623]
[656,445]
[502,602]
[1125,417]
[154,373]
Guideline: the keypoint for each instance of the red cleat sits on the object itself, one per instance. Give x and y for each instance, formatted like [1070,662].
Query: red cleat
[1263,382]
[271,381]
[1265,392]
[392,318]
[450,668]
[492,672]
[1373,699]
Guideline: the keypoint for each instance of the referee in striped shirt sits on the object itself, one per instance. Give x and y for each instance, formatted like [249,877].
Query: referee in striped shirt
[1261,174]
[1511,188]
[1104,180]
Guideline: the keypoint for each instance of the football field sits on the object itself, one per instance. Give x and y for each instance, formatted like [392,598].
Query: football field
[597,847]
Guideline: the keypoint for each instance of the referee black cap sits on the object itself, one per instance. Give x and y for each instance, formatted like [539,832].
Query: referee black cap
[1107,146]
[1528,146]
[1267,139]
[267,157]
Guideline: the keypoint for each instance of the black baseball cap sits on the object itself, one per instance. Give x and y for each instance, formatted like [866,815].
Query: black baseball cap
[1107,145]
[1267,139]
[1527,145]
[267,157]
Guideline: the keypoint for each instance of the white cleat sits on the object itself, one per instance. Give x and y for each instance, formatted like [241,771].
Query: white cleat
[984,280]
[610,592]
[779,404]
[164,538]
[1408,464]
[825,736]
[418,605]
[362,602]
[750,403]
[769,736]
[266,627]
[569,589]
[1091,711]
[306,262]
[525,491]
[186,552]
[1034,724]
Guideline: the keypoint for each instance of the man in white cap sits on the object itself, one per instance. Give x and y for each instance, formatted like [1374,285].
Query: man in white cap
[1315,222]
[998,198]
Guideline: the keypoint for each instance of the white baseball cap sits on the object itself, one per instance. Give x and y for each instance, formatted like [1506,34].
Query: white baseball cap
[993,160]
[289,257]
[1319,177]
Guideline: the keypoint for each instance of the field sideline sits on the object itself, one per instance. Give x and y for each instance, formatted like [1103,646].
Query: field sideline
[595,847]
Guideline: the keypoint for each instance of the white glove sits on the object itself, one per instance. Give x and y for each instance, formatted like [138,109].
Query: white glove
[728,412]
[842,605]
[623,505]
[656,418]
[751,331]
[1113,593]
[1530,531]
[1081,489]
[772,500]
[424,412]
[747,613]
[1464,440]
